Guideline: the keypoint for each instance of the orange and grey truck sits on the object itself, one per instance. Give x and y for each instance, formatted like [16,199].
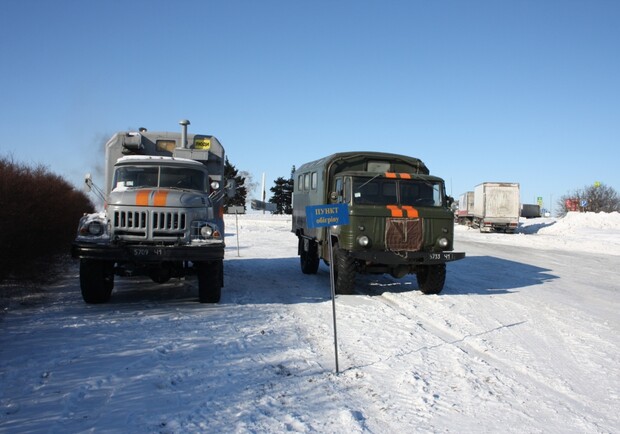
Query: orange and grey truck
[163,213]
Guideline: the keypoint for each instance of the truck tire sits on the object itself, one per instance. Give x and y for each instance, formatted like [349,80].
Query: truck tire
[431,278]
[96,281]
[160,274]
[344,271]
[210,281]
[308,256]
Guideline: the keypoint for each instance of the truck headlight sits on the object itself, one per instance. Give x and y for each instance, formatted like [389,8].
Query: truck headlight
[363,241]
[203,231]
[443,242]
[206,231]
[95,228]
[92,226]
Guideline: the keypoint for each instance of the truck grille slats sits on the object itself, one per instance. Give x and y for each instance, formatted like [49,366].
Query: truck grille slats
[168,221]
[149,225]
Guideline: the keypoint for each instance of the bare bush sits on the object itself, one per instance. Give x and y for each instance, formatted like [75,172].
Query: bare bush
[594,198]
[39,213]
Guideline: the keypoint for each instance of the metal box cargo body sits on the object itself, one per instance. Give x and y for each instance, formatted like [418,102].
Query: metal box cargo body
[465,212]
[163,213]
[530,210]
[399,218]
[496,206]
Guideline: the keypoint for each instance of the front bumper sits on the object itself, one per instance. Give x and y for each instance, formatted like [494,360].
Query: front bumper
[147,253]
[406,257]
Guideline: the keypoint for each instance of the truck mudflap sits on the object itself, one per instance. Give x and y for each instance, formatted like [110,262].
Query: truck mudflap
[147,253]
[406,257]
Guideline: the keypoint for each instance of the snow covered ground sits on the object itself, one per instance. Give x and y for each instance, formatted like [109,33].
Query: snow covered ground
[524,338]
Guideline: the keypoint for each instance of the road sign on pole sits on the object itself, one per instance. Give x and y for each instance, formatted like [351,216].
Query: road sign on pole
[320,216]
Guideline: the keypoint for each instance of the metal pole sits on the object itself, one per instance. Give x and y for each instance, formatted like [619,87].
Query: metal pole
[237,223]
[333,291]
[263,193]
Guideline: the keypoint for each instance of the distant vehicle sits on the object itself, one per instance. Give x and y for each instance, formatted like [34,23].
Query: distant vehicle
[496,207]
[465,213]
[530,210]
[163,214]
[400,220]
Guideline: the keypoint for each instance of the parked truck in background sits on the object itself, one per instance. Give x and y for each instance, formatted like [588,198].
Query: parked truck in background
[163,213]
[530,210]
[496,207]
[465,212]
[400,220]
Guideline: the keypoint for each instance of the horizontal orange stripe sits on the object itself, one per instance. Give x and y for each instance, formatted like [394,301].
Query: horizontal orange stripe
[390,175]
[405,176]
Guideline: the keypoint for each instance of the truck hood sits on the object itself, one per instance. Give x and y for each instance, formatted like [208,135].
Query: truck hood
[158,197]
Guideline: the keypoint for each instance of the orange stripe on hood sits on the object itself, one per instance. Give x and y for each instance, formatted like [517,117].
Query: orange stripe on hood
[395,210]
[412,213]
[142,197]
[160,198]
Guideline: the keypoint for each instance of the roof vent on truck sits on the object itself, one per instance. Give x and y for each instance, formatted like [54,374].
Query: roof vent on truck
[133,142]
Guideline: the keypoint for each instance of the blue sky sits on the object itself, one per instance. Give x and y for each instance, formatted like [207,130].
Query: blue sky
[521,91]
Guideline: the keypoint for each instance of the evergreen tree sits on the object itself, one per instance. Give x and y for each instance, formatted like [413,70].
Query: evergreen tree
[231,172]
[283,195]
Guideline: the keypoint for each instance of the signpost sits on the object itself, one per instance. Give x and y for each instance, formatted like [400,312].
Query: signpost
[320,216]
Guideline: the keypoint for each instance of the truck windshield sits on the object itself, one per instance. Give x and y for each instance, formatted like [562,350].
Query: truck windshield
[159,176]
[380,191]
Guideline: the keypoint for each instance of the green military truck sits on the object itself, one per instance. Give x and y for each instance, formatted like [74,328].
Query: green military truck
[400,220]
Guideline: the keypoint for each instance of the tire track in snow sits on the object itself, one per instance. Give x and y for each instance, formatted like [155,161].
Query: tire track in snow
[520,380]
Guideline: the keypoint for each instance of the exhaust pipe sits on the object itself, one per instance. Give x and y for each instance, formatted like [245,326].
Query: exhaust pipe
[184,123]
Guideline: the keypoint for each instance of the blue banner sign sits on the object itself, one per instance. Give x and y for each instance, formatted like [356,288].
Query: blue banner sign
[319,216]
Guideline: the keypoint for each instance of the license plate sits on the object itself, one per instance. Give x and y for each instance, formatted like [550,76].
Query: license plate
[147,252]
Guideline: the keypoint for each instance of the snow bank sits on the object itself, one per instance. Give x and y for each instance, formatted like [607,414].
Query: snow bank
[579,232]
[577,222]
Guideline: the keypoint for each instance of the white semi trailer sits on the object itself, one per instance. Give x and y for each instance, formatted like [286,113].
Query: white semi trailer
[496,207]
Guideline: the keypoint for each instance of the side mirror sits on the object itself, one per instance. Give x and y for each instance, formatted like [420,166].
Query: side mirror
[231,188]
[88,182]
[449,201]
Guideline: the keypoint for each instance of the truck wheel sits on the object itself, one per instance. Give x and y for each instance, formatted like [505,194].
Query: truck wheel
[161,274]
[431,278]
[210,281]
[344,271]
[96,281]
[309,256]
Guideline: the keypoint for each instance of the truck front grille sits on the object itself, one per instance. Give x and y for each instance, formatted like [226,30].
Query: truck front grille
[149,225]
[166,223]
[403,234]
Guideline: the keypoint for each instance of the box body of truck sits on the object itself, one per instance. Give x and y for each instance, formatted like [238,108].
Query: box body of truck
[399,218]
[530,210]
[496,207]
[465,212]
[163,214]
